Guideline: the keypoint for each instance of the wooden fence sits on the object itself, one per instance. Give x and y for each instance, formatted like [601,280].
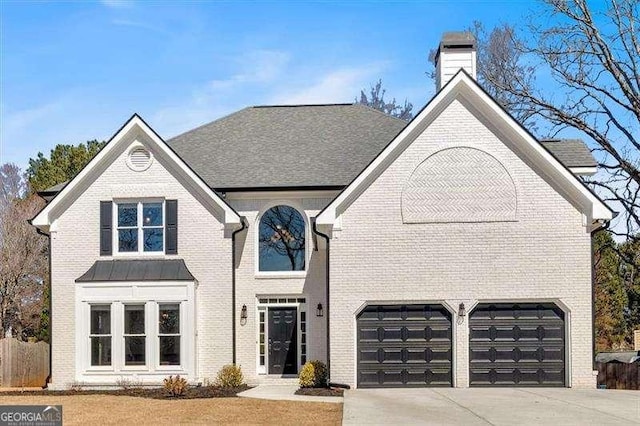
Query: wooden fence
[23,364]
[618,375]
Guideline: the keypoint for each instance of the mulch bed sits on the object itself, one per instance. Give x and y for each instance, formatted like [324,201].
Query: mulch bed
[193,392]
[320,391]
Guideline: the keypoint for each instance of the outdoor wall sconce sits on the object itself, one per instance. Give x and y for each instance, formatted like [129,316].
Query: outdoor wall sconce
[243,315]
[319,310]
[462,311]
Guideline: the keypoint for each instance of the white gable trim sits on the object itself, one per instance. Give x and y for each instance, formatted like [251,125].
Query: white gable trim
[463,85]
[584,171]
[45,218]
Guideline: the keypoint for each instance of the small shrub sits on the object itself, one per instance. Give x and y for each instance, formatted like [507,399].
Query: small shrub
[307,376]
[320,373]
[230,376]
[175,386]
[313,375]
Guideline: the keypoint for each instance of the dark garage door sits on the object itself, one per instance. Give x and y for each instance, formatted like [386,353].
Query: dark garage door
[517,345]
[404,346]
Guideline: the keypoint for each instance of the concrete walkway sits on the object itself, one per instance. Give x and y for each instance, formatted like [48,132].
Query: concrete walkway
[484,406]
[285,392]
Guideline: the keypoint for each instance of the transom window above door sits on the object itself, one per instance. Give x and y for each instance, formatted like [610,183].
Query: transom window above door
[140,227]
[282,240]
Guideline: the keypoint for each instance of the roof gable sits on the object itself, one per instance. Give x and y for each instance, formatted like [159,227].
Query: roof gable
[463,87]
[46,217]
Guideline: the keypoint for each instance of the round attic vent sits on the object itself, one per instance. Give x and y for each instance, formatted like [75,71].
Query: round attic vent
[139,159]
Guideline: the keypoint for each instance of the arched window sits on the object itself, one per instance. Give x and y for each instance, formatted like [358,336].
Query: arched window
[281,240]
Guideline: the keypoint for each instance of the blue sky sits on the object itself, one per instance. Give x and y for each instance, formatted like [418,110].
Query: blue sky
[73,71]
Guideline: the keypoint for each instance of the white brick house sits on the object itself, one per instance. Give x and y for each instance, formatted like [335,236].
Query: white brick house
[453,250]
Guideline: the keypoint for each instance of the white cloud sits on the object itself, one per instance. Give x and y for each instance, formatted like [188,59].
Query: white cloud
[258,66]
[255,72]
[341,85]
[72,118]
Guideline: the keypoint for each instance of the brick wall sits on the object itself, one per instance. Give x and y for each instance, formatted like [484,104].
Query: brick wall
[249,287]
[543,255]
[201,243]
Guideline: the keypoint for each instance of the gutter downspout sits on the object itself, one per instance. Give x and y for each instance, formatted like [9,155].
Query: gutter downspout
[593,296]
[327,239]
[48,380]
[233,287]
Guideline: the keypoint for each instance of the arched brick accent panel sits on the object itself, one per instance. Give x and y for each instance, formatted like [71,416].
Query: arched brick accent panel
[459,185]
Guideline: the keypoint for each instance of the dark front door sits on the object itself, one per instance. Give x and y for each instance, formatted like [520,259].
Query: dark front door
[282,343]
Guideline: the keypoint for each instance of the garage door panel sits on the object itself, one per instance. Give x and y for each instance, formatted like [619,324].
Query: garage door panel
[517,344]
[515,332]
[404,345]
[517,377]
[388,313]
[519,354]
[389,355]
[405,377]
[405,332]
[525,311]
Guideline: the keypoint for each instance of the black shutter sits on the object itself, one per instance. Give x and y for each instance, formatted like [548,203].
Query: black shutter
[171,227]
[106,220]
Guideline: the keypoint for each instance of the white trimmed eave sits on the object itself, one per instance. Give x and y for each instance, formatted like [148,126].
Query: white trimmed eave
[584,171]
[462,85]
[47,216]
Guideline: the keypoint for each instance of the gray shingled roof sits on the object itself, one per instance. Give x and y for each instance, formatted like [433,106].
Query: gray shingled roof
[138,270]
[570,152]
[56,188]
[281,146]
[305,145]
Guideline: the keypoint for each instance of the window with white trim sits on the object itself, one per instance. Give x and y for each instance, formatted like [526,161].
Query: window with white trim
[140,227]
[303,337]
[100,335]
[134,335]
[282,240]
[169,333]
[262,332]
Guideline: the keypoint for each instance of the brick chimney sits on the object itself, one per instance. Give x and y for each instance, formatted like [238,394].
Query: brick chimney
[456,50]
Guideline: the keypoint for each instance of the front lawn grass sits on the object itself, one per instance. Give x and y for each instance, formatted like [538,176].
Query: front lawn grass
[81,409]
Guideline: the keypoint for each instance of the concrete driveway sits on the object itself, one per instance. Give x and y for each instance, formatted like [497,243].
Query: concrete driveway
[484,406]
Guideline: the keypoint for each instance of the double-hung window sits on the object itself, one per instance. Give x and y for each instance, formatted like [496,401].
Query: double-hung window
[140,227]
[169,333]
[100,335]
[134,335]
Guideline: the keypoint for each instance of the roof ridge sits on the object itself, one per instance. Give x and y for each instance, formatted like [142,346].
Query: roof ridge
[380,112]
[301,105]
[224,117]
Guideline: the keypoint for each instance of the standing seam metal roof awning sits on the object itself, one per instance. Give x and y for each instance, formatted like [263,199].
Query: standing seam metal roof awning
[137,270]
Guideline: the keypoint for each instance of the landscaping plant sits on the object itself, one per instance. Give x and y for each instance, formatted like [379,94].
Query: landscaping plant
[175,386]
[313,375]
[230,376]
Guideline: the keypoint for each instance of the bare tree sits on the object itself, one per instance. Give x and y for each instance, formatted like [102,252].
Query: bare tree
[593,63]
[375,99]
[282,232]
[23,257]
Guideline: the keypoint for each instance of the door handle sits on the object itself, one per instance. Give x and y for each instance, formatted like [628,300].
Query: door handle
[270,346]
